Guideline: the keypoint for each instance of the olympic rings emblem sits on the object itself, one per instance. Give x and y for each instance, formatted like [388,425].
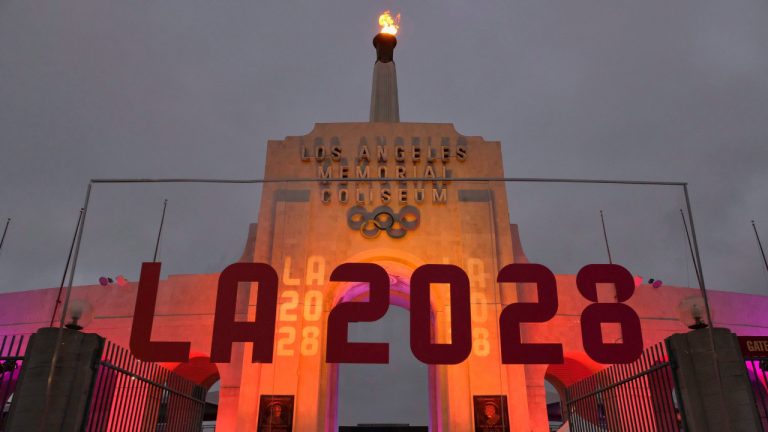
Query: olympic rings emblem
[383,218]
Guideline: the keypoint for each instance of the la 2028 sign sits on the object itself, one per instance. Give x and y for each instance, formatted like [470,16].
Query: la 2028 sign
[261,331]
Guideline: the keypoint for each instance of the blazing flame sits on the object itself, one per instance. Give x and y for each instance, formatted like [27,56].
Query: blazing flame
[389,24]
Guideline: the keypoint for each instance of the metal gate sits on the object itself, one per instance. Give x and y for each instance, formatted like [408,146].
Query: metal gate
[755,352]
[131,395]
[627,397]
[757,370]
[126,394]
[12,348]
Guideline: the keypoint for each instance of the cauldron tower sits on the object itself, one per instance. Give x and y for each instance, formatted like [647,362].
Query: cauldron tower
[308,229]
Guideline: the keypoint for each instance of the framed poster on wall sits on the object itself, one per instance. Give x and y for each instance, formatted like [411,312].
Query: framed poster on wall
[276,413]
[491,414]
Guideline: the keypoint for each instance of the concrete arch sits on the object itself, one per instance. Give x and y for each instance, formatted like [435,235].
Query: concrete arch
[575,367]
[400,267]
[198,369]
[202,371]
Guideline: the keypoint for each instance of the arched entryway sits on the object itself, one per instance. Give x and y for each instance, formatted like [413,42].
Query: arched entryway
[555,397]
[201,371]
[393,393]
[400,270]
[557,377]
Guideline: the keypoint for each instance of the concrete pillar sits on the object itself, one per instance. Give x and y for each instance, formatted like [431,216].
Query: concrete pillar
[226,417]
[34,409]
[713,403]
[384,104]
[537,397]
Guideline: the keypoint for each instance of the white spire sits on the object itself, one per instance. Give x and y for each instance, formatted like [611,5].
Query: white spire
[384,104]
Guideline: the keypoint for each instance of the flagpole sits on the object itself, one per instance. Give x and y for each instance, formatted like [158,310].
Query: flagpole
[605,235]
[690,246]
[5,231]
[700,274]
[760,244]
[160,230]
[66,267]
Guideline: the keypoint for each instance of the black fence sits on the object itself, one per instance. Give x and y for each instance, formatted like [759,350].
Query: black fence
[12,348]
[637,396]
[131,395]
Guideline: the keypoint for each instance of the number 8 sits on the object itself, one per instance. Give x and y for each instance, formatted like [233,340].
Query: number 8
[309,340]
[595,314]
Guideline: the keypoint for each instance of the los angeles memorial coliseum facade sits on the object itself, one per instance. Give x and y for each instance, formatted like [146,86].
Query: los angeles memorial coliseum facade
[306,229]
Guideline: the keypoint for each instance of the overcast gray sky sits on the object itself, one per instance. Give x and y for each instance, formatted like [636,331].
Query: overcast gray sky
[654,89]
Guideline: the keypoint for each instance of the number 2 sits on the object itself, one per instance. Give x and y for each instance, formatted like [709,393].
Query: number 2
[512,348]
[339,349]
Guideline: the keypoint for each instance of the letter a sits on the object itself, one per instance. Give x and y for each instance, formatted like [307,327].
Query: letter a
[261,332]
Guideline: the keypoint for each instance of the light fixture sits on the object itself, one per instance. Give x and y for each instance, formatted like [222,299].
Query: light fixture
[79,314]
[690,311]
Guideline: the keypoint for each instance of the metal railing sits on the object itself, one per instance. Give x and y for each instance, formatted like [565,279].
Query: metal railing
[131,395]
[757,370]
[12,349]
[627,397]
